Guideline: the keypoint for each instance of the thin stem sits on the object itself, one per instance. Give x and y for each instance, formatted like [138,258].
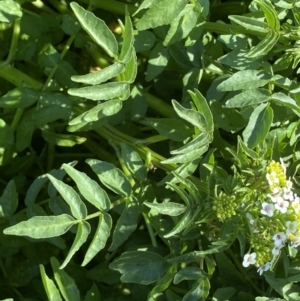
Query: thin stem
[159,105]
[17,118]
[150,230]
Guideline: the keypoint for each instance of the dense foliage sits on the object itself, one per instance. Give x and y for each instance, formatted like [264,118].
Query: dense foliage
[149,150]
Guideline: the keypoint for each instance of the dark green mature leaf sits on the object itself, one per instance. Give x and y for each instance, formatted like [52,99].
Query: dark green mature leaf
[42,226]
[100,76]
[48,56]
[172,128]
[66,284]
[100,238]
[246,79]
[49,114]
[24,133]
[258,126]
[50,287]
[9,11]
[102,92]
[77,206]
[140,267]
[249,98]
[6,135]
[133,162]
[8,200]
[126,224]
[90,189]
[18,98]
[93,294]
[97,29]
[250,23]
[83,230]
[161,13]
[110,176]
[69,25]
[167,208]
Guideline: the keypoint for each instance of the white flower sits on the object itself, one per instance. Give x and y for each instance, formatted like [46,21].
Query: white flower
[291,227]
[282,205]
[279,239]
[288,194]
[272,178]
[264,268]
[267,209]
[295,243]
[275,198]
[283,165]
[249,259]
[289,184]
[276,250]
[296,203]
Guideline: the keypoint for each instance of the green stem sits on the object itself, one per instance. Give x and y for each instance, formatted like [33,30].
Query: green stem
[40,5]
[60,7]
[90,216]
[159,105]
[150,230]
[17,118]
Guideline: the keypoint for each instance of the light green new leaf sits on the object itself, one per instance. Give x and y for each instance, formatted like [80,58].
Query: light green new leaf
[191,116]
[90,189]
[77,206]
[285,101]
[248,98]
[9,200]
[171,128]
[100,238]
[258,126]
[110,176]
[62,139]
[18,98]
[245,79]
[93,294]
[101,92]
[42,226]
[66,284]
[101,76]
[167,208]
[270,13]
[98,112]
[264,46]
[126,224]
[129,74]
[140,267]
[128,39]
[82,234]
[9,11]
[97,29]
[250,23]
[51,290]
[161,13]
[133,162]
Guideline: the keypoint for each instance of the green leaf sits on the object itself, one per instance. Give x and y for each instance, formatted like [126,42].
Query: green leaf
[258,126]
[270,13]
[51,290]
[77,206]
[100,238]
[140,267]
[49,114]
[285,101]
[167,208]
[183,24]
[9,11]
[100,76]
[69,25]
[42,226]
[128,39]
[9,200]
[191,116]
[129,74]
[24,133]
[157,62]
[223,294]
[110,176]
[133,162]
[243,80]
[48,56]
[248,98]
[89,188]
[264,46]
[171,128]
[82,234]
[18,98]
[62,139]
[101,92]
[250,23]
[96,29]
[160,13]
[6,135]
[93,294]
[144,40]
[66,284]
[98,112]
[126,224]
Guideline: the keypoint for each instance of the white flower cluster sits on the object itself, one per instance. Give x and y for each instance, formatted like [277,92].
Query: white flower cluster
[283,200]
